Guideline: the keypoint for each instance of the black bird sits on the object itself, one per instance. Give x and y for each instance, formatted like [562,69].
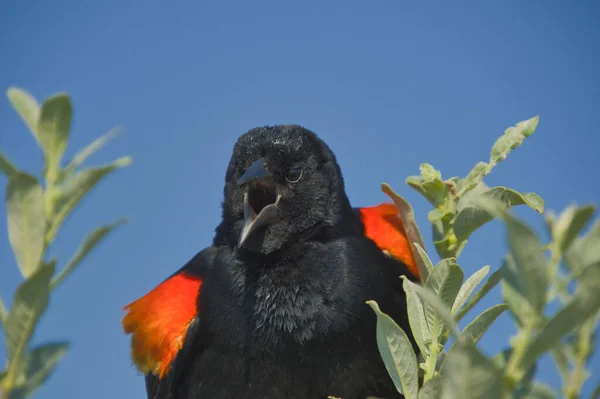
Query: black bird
[275,307]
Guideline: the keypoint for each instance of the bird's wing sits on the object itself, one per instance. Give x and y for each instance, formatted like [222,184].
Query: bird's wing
[160,321]
[384,226]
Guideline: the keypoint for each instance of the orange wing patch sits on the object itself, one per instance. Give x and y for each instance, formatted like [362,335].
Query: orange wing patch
[384,226]
[159,321]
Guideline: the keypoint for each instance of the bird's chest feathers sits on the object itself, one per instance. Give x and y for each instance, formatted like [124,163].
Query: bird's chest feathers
[287,302]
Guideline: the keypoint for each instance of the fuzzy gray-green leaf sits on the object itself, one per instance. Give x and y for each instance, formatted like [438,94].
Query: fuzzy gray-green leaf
[445,281]
[26,221]
[512,138]
[91,148]
[432,389]
[433,302]
[476,328]
[27,108]
[88,244]
[53,126]
[39,363]
[469,374]
[397,353]
[585,304]
[468,287]
[30,302]
[6,166]
[76,188]
[528,254]
[470,216]
[584,251]
[416,318]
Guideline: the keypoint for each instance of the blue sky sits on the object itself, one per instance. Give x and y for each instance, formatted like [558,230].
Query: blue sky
[387,84]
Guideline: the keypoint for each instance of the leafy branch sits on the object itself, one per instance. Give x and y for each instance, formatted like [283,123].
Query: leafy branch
[35,212]
[533,275]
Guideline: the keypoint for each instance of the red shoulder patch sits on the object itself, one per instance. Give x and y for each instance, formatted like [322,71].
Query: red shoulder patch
[384,226]
[158,322]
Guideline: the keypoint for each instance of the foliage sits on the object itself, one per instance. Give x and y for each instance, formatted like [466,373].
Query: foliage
[35,213]
[565,272]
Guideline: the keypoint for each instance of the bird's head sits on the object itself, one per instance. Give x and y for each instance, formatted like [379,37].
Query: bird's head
[282,182]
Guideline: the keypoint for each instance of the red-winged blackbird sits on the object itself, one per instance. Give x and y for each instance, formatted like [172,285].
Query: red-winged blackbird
[275,307]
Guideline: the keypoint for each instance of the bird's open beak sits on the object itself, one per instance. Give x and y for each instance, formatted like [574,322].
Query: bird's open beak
[260,199]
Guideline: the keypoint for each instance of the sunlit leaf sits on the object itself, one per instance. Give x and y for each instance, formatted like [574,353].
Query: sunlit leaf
[27,108]
[469,374]
[432,389]
[431,300]
[512,138]
[485,288]
[570,223]
[413,234]
[38,364]
[78,186]
[416,318]
[3,313]
[528,254]
[585,304]
[473,178]
[471,217]
[476,328]
[6,166]
[584,251]
[54,122]
[90,149]
[397,353]
[30,302]
[429,184]
[541,391]
[445,281]
[468,287]
[26,221]
[88,244]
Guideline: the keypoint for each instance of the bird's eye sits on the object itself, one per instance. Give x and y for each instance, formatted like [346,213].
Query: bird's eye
[294,174]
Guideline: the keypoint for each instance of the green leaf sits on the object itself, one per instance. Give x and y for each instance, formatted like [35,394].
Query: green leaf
[430,299]
[570,223]
[430,185]
[476,328]
[54,123]
[26,221]
[3,313]
[485,288]
[514,292]
[585,304]
[397,353]
[471,216]
[88,244]
[541,391]
[468,287]
[424,257]
[528,254]
[512,138]
[27,108]
[473,178]
[30,302]
[416,318]
[585,251]
[6,166]
[91,148]
[76,188]
[413,234]
[445,281]
[524,385]
[469,374]
[39,364]
[432,389]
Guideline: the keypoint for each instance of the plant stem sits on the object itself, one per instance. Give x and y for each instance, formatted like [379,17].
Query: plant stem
[514,374]
[573,388]
[431,361]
